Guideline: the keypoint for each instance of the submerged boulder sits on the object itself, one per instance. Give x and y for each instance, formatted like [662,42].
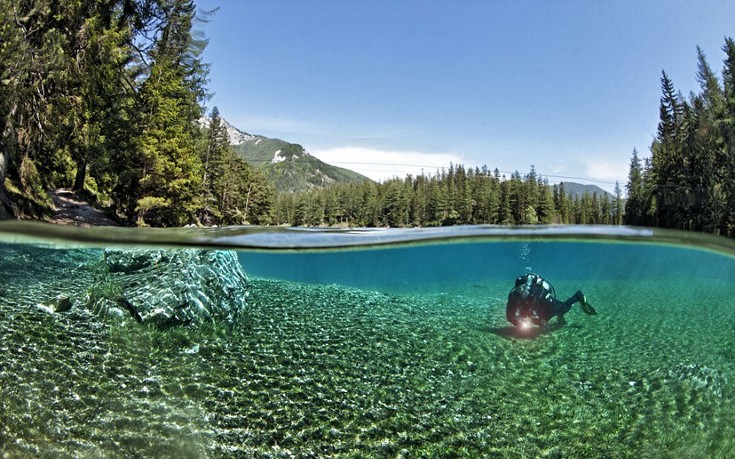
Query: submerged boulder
[171,287]
[61,303]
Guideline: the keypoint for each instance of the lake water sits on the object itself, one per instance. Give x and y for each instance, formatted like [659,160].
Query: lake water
[378,343]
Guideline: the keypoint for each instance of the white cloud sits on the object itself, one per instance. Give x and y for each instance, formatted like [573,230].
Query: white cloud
[606,169]
[385,164]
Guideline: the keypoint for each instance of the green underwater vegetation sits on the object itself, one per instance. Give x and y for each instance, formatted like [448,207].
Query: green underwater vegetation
[332,371]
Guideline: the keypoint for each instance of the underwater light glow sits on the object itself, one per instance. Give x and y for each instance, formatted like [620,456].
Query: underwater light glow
[525,324]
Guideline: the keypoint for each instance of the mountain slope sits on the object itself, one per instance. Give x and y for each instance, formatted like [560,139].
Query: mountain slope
[577,190]
[288,166]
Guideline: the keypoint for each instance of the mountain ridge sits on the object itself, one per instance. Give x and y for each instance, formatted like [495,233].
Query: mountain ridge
[288,166]
[578,190]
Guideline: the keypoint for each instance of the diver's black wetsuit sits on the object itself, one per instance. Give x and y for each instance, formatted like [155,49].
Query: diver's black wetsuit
[534,299]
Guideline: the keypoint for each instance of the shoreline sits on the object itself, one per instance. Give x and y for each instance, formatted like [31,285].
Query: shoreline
[71,209]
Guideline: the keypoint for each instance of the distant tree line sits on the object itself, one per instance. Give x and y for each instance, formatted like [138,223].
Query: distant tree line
[105,96]
[689,180]
[451,197]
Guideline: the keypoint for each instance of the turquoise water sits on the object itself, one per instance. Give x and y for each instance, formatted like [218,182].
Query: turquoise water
[378,344]
[418,268]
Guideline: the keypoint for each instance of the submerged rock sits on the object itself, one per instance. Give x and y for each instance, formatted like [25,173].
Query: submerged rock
[62,303]
[171,287]
[698,379]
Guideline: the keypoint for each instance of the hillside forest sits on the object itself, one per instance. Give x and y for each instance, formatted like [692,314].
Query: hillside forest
[107,98]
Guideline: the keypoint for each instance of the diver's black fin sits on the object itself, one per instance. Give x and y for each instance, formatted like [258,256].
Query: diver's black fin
[586,307]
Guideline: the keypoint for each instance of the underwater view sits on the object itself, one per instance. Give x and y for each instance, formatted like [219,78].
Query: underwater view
[294,343]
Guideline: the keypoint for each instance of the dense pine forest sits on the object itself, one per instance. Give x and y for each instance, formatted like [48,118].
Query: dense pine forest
[106,97]
[455,196]
[689,180]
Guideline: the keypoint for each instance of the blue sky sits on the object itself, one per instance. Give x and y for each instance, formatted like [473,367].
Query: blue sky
[568,86]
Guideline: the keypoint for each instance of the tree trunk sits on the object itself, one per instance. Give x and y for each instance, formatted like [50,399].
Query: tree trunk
[3,165]
[247,201]
[7,208]
[79,178]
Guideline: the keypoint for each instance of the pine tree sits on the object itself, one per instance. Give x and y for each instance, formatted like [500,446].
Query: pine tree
[96,83]
[712,93]
[420,203]
[395,212]
[561,202]
[438,203]
[669,110]
[546,211]
[727,132]
[32,65]
[505,211]
[617,205]
[169,177]
[214,169]
[635,205]
[708,168]
[464,202]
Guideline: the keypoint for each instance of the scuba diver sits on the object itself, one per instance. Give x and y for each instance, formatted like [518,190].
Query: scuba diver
[533,302]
